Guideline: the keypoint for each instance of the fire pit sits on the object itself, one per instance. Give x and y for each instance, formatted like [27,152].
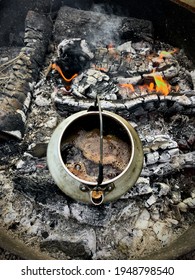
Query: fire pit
[143,73]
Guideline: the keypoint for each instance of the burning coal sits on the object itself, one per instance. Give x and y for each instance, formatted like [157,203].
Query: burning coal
[160,85]
[115,72]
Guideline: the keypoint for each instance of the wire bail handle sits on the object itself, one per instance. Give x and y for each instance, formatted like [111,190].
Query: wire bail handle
[100,175]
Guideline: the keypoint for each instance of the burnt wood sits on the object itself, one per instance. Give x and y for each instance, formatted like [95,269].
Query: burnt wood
[98,27]
[172,23]
[15,100]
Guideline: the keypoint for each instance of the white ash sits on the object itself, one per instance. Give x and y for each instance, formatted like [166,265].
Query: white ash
[190,202]
[163,232]
[151,200]
[176,197]
[129,211]
[182,207]
[143,220]
[52,122]
[123,65]
[126,47]
[155,214]
[67,44]
[41,101]
[192,74]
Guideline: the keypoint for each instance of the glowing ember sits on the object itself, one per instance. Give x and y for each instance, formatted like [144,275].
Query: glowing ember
[129,86]
[160,86]
[101,69]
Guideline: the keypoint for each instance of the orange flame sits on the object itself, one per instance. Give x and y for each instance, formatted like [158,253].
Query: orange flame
[129,86]
[101,69]
[160,86]
[164,54]
[57,68]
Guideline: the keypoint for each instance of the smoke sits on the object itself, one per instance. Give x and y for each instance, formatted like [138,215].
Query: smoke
[102,8]
[106,30]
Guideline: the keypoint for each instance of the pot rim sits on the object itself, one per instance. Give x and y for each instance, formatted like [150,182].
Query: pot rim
[117,119]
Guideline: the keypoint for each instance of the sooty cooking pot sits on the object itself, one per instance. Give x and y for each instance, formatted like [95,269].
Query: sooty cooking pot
[82,188]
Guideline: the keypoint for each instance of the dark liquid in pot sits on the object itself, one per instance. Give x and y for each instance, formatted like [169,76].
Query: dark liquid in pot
[81,155]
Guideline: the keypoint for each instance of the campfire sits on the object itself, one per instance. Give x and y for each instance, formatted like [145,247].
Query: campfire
[154,73]
[62,69]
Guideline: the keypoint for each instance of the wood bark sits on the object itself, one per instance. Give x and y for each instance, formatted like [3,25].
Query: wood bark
[98,27]
[16,97]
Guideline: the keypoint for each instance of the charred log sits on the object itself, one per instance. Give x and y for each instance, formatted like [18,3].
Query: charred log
[98,27]
[132,109]
[15,99]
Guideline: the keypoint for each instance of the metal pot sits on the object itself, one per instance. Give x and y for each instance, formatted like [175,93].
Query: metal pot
[87,191]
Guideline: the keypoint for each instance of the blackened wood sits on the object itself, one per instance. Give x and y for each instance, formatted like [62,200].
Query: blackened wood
[98,27]
[13,14]
[15,99]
